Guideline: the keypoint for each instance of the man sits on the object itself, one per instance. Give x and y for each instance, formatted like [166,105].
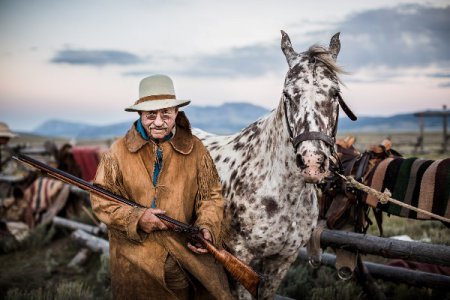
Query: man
[5,136]
[161,165]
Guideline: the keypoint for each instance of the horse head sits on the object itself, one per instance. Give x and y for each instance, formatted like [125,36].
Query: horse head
[311,97]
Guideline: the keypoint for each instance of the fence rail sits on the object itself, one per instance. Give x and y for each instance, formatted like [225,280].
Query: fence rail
[386,247]
[379,271]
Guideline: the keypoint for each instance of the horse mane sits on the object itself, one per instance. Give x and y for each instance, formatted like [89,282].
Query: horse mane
[323,55]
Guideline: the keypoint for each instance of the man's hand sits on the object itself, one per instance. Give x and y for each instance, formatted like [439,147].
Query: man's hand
[149,222]
[198,248]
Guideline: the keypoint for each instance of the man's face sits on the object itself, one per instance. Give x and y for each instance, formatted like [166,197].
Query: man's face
[4,140]
[159,123]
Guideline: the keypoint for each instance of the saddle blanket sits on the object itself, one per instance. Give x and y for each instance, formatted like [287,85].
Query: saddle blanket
[424,184]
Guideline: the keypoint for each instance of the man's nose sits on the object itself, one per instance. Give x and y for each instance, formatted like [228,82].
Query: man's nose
[158,121]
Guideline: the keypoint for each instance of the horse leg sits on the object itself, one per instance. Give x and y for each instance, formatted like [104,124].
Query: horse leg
[243,253]
[274,269]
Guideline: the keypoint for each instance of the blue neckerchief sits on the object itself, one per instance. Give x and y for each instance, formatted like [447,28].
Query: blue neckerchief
[159,155]
[141,130]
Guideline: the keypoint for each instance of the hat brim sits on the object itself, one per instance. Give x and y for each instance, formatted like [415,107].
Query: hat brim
[7,134]
[157,104]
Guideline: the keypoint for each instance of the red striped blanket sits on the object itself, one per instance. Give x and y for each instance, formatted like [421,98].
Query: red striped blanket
[45,197]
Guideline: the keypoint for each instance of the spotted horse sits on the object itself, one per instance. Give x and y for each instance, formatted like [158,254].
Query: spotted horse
[269,170]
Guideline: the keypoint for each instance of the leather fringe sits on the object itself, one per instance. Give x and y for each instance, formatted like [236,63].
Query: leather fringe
[113,180]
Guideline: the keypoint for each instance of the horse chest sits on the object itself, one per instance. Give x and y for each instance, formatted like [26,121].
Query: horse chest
[268,225]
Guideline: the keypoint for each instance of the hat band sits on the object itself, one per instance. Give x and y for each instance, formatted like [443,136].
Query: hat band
[154,97]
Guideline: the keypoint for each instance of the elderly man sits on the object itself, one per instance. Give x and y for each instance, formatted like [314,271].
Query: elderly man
[161,165]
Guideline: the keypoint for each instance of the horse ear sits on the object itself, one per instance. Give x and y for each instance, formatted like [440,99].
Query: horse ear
[335,46]
[286,46]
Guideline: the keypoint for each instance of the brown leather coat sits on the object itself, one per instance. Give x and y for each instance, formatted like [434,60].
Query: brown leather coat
[188,189]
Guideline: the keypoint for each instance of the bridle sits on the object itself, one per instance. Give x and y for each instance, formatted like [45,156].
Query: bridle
[317,135]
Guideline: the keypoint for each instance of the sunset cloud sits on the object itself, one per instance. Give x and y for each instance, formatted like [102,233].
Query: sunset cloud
[95,57]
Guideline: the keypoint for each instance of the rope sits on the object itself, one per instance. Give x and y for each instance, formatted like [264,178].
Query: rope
[385,197]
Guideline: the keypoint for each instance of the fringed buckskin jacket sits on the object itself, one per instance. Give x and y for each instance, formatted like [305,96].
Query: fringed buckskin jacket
[188,189]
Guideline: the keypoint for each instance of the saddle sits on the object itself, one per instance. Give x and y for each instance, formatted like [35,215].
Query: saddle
[342,207]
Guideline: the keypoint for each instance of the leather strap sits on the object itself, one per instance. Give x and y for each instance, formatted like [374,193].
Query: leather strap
[346,109]
[317,135]
[313,135]
[308,135]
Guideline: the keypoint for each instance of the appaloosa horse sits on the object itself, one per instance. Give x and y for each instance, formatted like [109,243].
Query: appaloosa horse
[269,169]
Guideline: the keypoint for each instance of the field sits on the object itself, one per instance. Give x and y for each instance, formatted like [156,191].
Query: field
[38,267]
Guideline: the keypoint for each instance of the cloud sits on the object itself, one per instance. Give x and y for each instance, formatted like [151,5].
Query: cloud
[444,85]
[404,36]
[253,60]
[394,39]
[440,75]
[95,57]
[248,61]
[400,37]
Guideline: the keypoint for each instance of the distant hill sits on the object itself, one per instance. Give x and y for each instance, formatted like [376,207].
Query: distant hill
[224,119]
[230,118]
[396,123]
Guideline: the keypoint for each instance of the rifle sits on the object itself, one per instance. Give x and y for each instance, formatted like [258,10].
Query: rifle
[240,271]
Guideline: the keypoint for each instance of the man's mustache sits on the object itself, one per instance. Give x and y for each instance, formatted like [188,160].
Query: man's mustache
[156,127]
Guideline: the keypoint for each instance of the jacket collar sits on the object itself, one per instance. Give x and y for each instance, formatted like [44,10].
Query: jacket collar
[182,141]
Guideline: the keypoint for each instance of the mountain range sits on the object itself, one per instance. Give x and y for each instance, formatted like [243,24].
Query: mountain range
[230,118]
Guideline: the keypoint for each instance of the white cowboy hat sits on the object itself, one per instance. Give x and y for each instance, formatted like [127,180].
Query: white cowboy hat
[5,132]
[156,92]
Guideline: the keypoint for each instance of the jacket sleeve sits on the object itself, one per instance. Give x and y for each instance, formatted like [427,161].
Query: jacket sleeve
[118,217]
[209,202]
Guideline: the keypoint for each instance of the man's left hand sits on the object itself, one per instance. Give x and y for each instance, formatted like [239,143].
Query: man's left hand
[198,248]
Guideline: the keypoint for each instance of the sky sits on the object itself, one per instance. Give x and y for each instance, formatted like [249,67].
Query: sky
[82,60]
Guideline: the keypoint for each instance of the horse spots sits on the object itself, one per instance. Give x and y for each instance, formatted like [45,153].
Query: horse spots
[241,209]
[238,146]
[271,206]
[218,157]
[226,159]
[233,175]
[232,164]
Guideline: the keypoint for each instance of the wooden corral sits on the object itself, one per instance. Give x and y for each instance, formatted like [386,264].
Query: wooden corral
[444,114]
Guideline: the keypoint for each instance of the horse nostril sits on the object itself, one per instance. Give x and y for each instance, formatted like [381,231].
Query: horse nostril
[323,165]
[300,162]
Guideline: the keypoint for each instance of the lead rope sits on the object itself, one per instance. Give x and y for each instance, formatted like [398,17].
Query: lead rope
[385,197]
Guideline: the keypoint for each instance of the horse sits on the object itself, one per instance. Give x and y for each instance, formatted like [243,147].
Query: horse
[270,169]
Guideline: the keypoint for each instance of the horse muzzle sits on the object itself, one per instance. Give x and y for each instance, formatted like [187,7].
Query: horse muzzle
[314,167]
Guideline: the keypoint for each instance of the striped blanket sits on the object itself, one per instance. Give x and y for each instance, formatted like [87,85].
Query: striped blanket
[45,197]
[421,183]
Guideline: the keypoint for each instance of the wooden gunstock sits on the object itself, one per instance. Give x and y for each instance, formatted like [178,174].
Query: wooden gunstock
[243,273]
[240,271]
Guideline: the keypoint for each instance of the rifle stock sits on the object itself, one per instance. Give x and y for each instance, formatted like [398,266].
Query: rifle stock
[240,271]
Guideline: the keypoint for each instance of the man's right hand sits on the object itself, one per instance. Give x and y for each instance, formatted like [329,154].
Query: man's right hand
[149,222]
